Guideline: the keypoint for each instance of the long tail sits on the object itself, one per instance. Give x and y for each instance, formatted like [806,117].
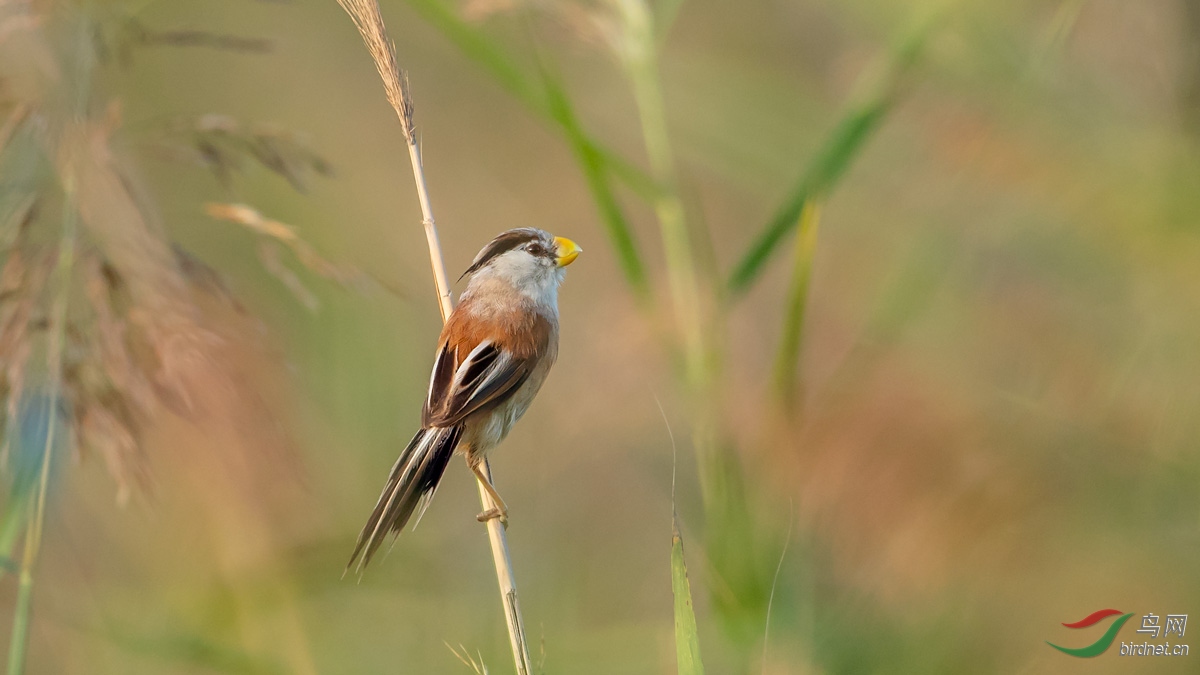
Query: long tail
[411,485]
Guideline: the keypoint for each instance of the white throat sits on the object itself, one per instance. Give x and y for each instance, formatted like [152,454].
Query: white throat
[529,276]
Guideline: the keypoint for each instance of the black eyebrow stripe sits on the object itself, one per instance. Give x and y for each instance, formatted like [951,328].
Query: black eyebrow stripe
[503,243]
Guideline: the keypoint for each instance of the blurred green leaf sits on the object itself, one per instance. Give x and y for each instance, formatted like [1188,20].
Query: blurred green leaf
[547,98]
[527,89]
[11,525]
[619,231]
[842,146]
[477,47]
[738,584]
[797,300]
[687,639]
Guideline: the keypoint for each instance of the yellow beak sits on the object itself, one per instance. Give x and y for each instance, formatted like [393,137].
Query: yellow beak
[567,251]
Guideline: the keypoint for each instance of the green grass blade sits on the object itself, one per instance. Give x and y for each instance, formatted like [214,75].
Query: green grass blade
[830,164]
[843,145]
[20,631]
[11,525]
[546,97]
[687,639]
[596,174]
[639,59]
[527,89]
[477,47]
[793,323]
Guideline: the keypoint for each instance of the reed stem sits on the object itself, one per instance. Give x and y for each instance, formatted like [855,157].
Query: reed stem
[369,21]
[22,614]
[640,56]
[20,632]
[10,528]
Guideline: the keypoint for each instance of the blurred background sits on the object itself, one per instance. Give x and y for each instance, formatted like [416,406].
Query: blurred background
[949,404]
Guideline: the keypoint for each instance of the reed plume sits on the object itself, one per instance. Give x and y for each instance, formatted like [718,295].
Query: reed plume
[108,328]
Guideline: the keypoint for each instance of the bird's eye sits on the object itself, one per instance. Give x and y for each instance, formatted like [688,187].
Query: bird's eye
[535,249]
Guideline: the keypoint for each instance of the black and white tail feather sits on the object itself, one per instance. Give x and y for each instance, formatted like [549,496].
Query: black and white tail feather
[409,488]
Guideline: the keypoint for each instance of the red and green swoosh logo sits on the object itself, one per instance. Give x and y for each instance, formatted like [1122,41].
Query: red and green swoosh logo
[1096,648]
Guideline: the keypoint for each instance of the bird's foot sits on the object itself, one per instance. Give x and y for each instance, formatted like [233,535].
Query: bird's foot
[497,514]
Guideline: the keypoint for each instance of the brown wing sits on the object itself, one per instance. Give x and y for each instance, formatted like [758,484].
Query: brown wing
[479,369]
[484,378]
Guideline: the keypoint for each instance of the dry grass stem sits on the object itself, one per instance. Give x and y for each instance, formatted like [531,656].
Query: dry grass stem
[369,20]
[274,230]
[268,253]
[223,145]
[475,663]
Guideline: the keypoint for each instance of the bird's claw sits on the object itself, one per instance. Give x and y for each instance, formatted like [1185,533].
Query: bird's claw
[495,514]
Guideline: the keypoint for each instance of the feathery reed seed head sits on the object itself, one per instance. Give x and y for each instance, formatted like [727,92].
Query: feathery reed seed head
[369,21]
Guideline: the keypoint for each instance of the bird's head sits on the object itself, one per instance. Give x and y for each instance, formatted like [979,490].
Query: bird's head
[533,261]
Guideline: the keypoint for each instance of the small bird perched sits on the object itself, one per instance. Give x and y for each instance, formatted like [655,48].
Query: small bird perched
[494,354]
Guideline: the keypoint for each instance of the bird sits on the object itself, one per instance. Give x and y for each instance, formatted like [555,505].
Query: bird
[495,351]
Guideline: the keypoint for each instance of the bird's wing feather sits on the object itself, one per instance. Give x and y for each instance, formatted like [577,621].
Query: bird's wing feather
[486,376]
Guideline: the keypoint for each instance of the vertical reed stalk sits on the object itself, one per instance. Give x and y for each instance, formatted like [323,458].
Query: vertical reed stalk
[21,614]
[54,352]
[719,474]
[369,21]
[640,55]
[78,93]
[10,527]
